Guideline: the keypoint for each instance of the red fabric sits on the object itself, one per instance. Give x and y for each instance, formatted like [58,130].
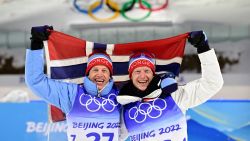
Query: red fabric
[59,46]
[56,114]
[63,46]
[160,48]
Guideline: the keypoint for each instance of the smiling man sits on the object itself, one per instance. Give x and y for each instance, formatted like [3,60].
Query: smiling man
[141,69]
[90,108]
[154,106]
[99,70]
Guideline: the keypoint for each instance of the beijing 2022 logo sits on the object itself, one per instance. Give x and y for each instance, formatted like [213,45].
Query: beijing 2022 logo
[94,104]
[147,110]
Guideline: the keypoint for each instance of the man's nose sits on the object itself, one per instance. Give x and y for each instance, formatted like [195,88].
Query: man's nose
[142,74]
[99,72]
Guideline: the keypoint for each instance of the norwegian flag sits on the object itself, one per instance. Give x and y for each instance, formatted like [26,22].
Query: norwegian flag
[66,58]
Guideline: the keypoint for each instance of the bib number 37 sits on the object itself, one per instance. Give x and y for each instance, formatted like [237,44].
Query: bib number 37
[96,136]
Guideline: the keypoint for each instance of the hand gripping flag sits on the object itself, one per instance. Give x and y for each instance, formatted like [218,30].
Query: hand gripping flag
[66,58]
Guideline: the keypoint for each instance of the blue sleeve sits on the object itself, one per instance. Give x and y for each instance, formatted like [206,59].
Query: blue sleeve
[59,94]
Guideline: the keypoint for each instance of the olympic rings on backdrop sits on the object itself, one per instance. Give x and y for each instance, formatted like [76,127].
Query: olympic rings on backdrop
[98,5]
[93,104]
[114,7]
[133,19]
[111,3]
[154,9]
[92,7]
[144,110]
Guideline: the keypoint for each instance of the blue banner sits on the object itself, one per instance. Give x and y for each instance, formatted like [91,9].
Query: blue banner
[220,120]
[23,121]
[215,120]
[29,122]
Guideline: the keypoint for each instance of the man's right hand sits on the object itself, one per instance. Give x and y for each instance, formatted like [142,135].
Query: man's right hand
[38,35]
[199,40]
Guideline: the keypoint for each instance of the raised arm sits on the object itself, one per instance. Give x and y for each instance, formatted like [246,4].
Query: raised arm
[57,93]
[199,91]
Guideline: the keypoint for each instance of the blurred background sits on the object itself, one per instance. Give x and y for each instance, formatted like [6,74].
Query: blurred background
[226,116]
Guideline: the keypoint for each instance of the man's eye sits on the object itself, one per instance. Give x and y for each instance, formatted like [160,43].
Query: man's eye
[137,72]
[147,71]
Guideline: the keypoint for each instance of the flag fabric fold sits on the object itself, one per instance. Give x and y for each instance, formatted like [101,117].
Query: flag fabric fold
[66,58]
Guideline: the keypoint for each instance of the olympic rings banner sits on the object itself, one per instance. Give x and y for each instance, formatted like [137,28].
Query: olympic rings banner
[66,57]
[119,7]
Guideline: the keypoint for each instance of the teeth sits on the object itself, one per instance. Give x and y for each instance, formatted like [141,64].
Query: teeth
[99,80]
[142,81]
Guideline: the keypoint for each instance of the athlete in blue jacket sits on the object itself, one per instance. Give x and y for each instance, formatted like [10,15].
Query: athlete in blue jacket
[92,112]
[154,106]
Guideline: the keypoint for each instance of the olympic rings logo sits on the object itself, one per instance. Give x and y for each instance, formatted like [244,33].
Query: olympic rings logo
[94,104]
[119,7]
[144,110]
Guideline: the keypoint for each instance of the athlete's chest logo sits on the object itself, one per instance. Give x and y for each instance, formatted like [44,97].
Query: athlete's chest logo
[142,111]
[95,104]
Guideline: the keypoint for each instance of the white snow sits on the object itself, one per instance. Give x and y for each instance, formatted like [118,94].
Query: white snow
[16,95]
